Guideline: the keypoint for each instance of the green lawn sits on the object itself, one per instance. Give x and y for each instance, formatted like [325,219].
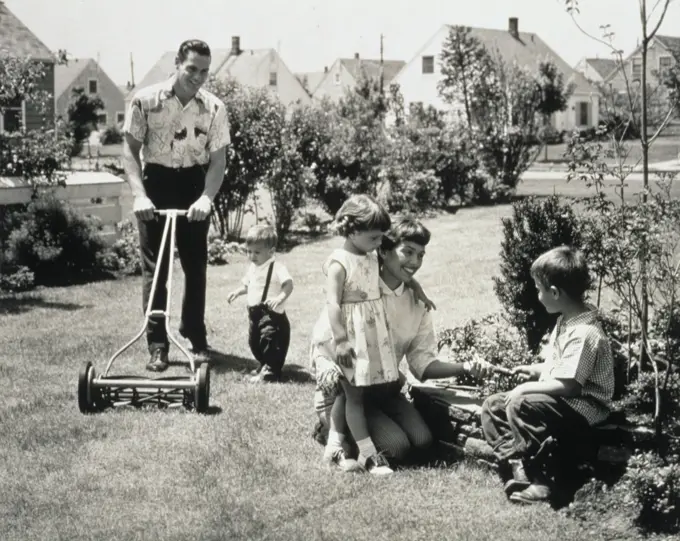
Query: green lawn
[251,470]
[663,149]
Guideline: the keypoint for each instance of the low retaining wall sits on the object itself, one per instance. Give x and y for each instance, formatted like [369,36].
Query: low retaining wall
[92,193]
[453,415]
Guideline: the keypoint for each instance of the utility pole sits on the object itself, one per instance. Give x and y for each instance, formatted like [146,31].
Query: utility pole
[382,70]
[132,72]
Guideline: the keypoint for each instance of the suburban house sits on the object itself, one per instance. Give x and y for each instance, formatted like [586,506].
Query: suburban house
[16,40]
[663,52]
[310,80]
[596,69]
[418,79]
[344,74]
[261,68]
[86,73]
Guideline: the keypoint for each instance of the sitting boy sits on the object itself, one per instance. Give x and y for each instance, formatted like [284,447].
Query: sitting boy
[267,285]
[575,383]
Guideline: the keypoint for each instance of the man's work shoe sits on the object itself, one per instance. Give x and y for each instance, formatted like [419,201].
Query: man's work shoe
[158,361]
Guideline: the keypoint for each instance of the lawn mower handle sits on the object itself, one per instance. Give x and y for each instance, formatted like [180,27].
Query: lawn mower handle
[168,212]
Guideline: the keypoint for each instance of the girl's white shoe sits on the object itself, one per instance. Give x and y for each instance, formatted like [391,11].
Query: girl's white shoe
[376,464]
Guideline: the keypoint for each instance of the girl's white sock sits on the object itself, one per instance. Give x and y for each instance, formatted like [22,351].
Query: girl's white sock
[335,439]
[366,448]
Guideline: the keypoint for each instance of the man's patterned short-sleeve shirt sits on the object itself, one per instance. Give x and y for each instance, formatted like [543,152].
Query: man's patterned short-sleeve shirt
[579,349]
[174,135]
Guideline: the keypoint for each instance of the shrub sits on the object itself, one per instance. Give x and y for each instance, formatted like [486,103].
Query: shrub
[218,250]
[494,341]
[414,193]
[56,243]
[126,249]
[21,279]
[535,226]
[655,488]
[112,136]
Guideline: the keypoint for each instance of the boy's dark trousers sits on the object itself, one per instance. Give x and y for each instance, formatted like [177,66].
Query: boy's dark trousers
[268,332]
[169,188]
[519,429]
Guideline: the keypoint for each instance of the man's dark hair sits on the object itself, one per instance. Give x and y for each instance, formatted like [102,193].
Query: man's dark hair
[406,230]
[192,45]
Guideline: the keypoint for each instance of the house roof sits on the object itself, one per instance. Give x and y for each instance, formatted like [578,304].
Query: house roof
[65,74]
[671,43]
[527,51]
[18,40]
[164,68]
[603,66]
[372,67]
[314,78]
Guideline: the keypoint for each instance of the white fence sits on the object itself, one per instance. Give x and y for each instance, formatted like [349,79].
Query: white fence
[92,193]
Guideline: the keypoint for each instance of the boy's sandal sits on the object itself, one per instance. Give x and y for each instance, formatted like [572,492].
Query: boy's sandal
[531,495]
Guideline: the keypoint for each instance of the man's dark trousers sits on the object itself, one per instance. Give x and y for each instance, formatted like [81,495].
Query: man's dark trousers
[268,336]
[169,188]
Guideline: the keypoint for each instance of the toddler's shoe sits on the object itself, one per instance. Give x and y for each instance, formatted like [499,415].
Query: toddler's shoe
[534,493]
[376,464]
[336,457]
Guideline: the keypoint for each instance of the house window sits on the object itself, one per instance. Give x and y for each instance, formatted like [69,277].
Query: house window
[636,69]
[665,63]
[337,78]
[272,78]
[120,117]
[102,119]
[428,64]
[92,86]
[583,112]
[12,118]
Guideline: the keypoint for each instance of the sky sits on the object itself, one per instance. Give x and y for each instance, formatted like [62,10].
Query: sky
[311,34]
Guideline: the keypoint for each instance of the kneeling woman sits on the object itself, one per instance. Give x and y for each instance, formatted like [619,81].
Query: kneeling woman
[395,426]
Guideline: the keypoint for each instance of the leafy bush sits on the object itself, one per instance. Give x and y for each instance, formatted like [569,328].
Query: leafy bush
[218,250]
[56,243]
[415,193]
[112,136]
[126,249]
[655,487]
[535,226]
[21,279]
[494,341]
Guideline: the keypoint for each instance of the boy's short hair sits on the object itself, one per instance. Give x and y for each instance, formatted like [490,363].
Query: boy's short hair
[404,230]
[262,234]
[565,268]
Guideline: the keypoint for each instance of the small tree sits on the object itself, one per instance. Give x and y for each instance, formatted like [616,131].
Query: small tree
[535,227]
[82,114]
[555,95]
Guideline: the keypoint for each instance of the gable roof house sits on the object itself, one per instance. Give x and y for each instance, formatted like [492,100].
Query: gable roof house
[260,68]
[310,80]
[418,79]
[663,52]
[345,72]
[86,73]
[16,40]
[595,69]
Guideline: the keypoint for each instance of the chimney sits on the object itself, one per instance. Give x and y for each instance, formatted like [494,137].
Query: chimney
[325,69]
[235,45]
[513,27]
[356,56]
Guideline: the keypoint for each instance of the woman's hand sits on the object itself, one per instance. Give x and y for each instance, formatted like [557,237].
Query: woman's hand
[344,354]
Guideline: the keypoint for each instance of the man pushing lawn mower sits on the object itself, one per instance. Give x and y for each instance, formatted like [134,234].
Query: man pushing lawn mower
[179,132]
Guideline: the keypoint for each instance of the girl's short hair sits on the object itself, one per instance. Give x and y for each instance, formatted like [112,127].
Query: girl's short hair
[192,45]
[361,213]
[262,234]
[565,268]
[406,229]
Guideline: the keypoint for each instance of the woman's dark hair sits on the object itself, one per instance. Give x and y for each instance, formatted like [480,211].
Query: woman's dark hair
[192,45]
[361,213]
[406,229]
